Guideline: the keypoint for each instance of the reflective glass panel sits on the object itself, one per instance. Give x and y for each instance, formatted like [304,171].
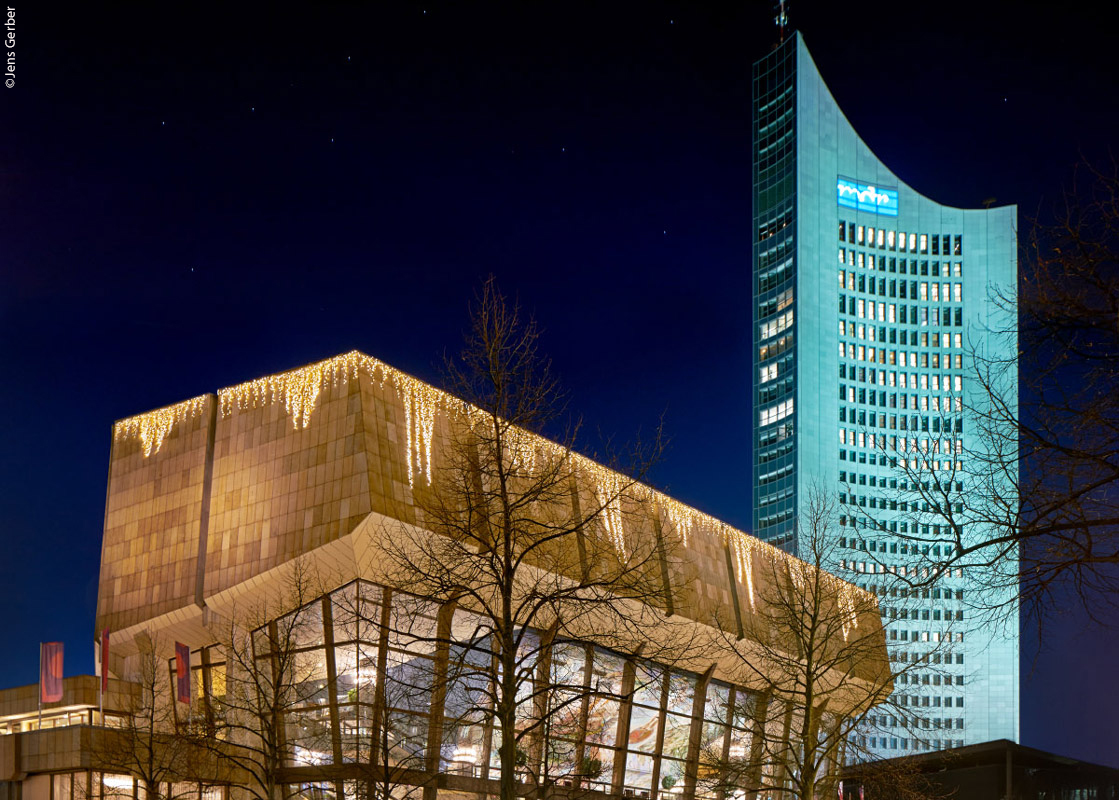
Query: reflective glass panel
[408,681]
[647,685]
[602,720]
[357,612]
[639,771]
[308,678]
[643,724]
[356,668]
[308,737]
[677,732]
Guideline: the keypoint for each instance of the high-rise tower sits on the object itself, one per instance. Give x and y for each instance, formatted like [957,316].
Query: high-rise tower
[870,300]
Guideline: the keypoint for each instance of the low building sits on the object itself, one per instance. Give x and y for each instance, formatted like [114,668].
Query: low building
[256,528]
[69,750]
[998,770]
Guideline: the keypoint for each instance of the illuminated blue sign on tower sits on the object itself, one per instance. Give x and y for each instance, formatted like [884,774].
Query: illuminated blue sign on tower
[866,197]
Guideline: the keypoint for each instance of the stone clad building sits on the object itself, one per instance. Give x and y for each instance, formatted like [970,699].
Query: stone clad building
[215,505]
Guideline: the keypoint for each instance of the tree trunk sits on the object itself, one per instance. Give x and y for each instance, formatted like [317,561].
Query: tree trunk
[508,714]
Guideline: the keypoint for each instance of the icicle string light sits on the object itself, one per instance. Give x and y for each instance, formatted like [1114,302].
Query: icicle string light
[427,400]
[420,402]
[608,492]
[522,449]
[743,561]
[847,607]
[154,426]
[409,450]
[298,391]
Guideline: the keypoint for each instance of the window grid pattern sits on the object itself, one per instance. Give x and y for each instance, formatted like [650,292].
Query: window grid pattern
[900,386]
[614,723]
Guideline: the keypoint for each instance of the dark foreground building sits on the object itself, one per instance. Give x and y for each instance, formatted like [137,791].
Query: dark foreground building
[1000,770]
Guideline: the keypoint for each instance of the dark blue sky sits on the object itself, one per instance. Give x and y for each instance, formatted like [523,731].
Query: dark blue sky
[191,197]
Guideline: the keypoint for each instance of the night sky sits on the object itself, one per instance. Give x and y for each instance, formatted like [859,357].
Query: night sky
[192,198]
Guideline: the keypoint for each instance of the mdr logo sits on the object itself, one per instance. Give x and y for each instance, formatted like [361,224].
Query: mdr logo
[866,197]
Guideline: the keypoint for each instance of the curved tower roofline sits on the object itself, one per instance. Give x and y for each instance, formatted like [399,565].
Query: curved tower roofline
[811,61]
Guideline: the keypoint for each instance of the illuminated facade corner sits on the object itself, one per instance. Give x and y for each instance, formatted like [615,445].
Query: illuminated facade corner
[866,298]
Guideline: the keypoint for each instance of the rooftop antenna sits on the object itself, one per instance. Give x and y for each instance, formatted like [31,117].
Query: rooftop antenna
[781,20]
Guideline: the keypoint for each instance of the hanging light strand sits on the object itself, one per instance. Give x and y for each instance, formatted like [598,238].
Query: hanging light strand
[298,392]
[153,427]
[409,449]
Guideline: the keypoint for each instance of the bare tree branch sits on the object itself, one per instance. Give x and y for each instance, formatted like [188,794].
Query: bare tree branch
[524,549]
[1032,509]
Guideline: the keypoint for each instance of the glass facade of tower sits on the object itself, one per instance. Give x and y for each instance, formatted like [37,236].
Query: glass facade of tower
[870,300]
[775,277]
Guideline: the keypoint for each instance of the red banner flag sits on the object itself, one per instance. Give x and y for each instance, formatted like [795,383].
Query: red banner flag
[182,672]
[105,660]
[50,672]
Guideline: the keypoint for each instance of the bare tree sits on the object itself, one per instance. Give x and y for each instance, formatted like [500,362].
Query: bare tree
[153,740]
[823,681]
[378,736]
[521,546]
[1033,508]
[268,699]
[397,753]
